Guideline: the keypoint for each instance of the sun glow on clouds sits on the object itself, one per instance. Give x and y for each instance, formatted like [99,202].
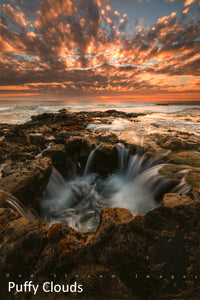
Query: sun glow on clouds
[91,47]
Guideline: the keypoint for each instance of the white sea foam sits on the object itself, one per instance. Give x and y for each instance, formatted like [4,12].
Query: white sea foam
[148,124]
[117,125]
[164,115]
[79,201]
[5,108]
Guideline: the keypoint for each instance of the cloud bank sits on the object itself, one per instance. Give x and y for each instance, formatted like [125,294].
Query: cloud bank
[85,47]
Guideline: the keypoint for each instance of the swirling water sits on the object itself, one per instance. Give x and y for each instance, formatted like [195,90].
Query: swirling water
[79,201]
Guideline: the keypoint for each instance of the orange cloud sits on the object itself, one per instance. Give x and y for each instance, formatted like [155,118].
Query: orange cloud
[68,49]
[189,2]
[16,17]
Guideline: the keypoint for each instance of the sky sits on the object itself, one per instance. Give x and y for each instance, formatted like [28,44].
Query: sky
[108,50]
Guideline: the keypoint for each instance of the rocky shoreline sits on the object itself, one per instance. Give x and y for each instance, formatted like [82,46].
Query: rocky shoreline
[127,257]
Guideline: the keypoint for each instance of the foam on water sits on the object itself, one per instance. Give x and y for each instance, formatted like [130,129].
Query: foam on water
[5,108]
[150,123]
[18,114]
[79,201]
[118,124]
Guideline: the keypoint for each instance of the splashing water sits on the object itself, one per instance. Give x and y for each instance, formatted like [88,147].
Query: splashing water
[18,206]
[90,160]
[79,202]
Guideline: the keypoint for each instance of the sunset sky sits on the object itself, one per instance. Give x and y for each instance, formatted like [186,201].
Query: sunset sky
[126,50]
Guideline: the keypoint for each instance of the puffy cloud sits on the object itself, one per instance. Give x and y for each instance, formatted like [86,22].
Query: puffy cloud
[5,46]
[86,48]
[185,10]
[116,13]
[163,20]
[189,2]
[140,25]
[16,17]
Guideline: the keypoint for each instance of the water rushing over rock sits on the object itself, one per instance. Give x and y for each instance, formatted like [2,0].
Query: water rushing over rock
[18,206]
[79,201]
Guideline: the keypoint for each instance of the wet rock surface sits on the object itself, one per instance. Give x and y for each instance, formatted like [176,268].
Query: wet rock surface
[172,200]
[127,257]
[26,180]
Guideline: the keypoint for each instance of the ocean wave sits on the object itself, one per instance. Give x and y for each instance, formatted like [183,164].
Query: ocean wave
[22,113]
[109,106]
[4,108]
[174,111]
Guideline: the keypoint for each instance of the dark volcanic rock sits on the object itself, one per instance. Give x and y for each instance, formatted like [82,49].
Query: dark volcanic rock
[58,155]
[16,135]
[128,257]
[189,158]
[36,138]
[195,194]
[23,244]
[105,159]
[124,259]
[172,200]
[27,180]
[180,141]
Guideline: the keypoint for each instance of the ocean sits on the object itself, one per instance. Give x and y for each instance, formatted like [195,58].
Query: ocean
[174,116]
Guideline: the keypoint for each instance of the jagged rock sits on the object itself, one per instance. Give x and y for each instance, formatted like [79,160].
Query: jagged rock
[21,244]
[9,214]
[80,145]
[190,158]
[122,252]
[36,138]
[43,117]
[16,135]
[45,129]
[193,179]
[2,152]
[164,241]
[155,152]
[173,172]
[195,194]
[2,200]
[27,181]
[182,141]
[173,199]
[78,150]
[100,283]
[177,172]
[105,159]
[58,155]
[115,215]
